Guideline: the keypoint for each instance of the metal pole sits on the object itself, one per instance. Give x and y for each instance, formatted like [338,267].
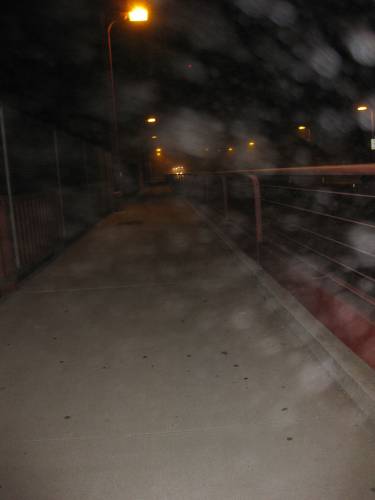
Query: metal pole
[115,137]
[85,164]
[372,124]
[207,188]
[59,184]
[258,212]
[225,195]
[9,190]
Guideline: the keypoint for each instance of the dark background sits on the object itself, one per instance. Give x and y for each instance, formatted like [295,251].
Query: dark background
[246,68]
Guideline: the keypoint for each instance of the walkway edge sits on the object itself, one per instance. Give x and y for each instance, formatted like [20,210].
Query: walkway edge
[353,375]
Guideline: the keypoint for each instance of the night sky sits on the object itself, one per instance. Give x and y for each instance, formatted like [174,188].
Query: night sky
[235,69]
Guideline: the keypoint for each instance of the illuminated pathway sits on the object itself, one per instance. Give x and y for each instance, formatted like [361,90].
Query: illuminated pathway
[148,362]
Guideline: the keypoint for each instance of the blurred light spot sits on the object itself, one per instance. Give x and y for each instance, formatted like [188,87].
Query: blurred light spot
[314,379]
[283,14]
[326,62]
[362,47]
[255,8]
[333,122]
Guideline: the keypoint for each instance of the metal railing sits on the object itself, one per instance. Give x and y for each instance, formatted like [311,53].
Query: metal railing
[323,216]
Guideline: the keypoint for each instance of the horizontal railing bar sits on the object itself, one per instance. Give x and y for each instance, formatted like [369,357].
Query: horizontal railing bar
[354,169]
[327,257]
[344,284]
[324,191]
[338,281]
[314,212]
[333,240]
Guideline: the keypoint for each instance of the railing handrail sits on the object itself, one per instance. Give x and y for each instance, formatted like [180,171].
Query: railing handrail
[353,169]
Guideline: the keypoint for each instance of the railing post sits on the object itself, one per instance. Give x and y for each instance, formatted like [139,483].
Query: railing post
[225,195]
[8,277]
[85,164]
[9,190]
[59,184]
[258,212]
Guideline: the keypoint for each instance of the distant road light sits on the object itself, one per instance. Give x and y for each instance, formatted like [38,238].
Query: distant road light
[151,119]
[154,137]
[302,127]
[230,149]
[251,144]
[179,170]
[364,107]
[138,14]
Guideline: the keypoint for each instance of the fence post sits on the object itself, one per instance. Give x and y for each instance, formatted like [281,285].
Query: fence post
[258,212]
[207,188]
[85,164]
[9,190]
[225,195]
[8,277]
[59,184]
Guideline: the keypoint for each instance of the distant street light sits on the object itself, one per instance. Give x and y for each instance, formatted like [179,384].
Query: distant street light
[151,119]
[251,144]
[137,14]
[230,149]
[367,108]
[154,137]
[305,131]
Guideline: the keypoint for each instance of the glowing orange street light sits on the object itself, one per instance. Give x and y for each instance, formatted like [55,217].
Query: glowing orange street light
[251,144]
[158,150]
[151,119]
[302,127]
[138,14]
[154,137]
[230,149]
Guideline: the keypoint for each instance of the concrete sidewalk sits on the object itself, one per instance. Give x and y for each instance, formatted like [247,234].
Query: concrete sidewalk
[148,363]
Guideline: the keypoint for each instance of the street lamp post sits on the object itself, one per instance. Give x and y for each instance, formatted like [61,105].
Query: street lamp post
[138,14]
[115,138]
[371,111]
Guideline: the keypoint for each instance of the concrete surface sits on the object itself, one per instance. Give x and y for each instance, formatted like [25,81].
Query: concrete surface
[149,363]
